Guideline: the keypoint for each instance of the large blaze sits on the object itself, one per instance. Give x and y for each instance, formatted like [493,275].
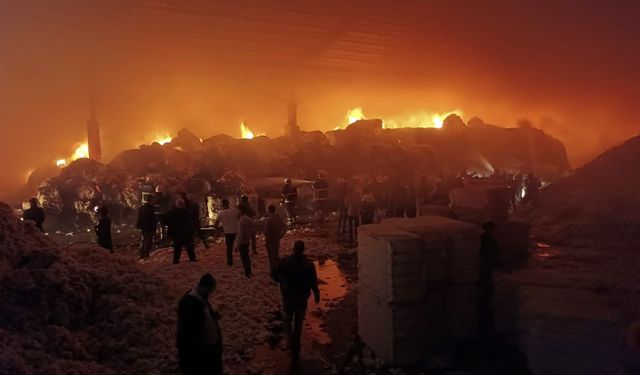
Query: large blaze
[424,119]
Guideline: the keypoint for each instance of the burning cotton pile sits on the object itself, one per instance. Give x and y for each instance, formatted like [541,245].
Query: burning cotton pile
[598,205]
[78,311]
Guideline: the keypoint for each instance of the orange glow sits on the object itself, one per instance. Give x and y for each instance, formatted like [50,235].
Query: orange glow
[162,139]
[423,119]
[81,152]
[246,133]
[354,115]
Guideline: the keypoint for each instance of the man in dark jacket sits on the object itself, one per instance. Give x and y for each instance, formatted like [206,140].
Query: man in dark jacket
[274,229]
[290,197]
[298,276]
[198,338]
[34,213]
[103,229]
[181,230]
[489,258]
[194,209]
[147,224]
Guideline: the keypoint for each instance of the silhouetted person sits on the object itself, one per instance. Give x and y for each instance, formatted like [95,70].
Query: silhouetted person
[290,198]
[194,210]
[398,201]
[533,185]
[244,202]
[181,230]
[228,217]
[103,229]
[147,223]
[298,276]
[246,237]
[274,229]
[341,195]
[368,207]
[321,196]
[411,209]
[34,213]
[353,203]
[489,258]
[199,338]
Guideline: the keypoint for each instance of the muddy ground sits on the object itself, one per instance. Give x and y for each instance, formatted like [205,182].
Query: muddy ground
[562,311]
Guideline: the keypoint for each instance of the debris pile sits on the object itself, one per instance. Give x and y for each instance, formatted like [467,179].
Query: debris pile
[597,206]
[78,311]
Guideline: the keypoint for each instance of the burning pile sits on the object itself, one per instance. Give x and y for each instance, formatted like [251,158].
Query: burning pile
[79,311]
[598,206]
[366,149]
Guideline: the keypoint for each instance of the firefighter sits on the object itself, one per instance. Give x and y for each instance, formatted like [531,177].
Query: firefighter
[290,197]
[321,196]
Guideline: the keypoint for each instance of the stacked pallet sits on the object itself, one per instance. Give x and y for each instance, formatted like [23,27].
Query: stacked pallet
[417,285]
[480,204]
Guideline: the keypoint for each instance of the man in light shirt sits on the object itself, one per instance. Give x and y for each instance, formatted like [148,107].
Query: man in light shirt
[246,237]
[228,217]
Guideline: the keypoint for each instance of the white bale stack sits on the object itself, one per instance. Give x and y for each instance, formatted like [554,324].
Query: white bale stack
[417,285]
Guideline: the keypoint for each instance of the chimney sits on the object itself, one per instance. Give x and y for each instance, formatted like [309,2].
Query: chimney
[93,135]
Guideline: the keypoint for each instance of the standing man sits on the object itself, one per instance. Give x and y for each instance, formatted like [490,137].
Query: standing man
[34,213]
[353,203]
[246,237]
[198,338]
[194,209]
[290,197]
[321,196]
[181,230]
[103,229]
[274,229]
[228,217]
[147,224]
[489,258]
[298,277]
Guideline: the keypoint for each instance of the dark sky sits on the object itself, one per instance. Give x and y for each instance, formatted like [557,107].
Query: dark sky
[154,66]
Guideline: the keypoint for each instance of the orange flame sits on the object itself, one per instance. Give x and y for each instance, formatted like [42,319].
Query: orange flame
[415,120]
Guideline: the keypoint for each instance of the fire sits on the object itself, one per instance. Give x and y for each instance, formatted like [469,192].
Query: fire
[61,162]
[162,139]
[354,115]
[246,132]
[82,151]
[414,120]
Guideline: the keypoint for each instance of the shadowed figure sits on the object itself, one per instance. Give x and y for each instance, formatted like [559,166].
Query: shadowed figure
[34,213]
[103,229]
[298,277]
[198,338]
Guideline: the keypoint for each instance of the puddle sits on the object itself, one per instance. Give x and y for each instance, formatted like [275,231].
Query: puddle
[333,287]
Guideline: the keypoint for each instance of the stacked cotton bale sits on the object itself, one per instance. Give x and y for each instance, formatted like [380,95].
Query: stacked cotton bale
[480,204]
[434,210]
[417,285]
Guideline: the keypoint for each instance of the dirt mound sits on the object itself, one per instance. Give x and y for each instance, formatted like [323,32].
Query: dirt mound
[79,310]
[599,205]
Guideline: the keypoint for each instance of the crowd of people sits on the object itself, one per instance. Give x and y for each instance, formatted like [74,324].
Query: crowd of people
[199,338]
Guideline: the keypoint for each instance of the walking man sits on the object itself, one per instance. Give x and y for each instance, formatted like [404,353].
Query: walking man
[199,339]
[147,224]
[228,217]
[246,237]
[298,276]
[274,229]
[103,229]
